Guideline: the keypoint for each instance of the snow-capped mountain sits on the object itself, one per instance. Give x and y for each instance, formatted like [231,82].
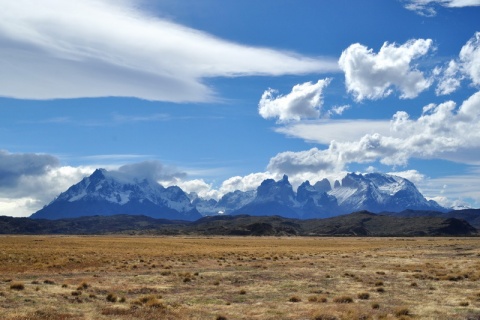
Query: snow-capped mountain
[374,192]
[107,193]
[378,192]
[104,193]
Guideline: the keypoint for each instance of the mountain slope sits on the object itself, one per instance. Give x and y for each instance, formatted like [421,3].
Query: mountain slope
[105,194]
[111,193]
[374,192]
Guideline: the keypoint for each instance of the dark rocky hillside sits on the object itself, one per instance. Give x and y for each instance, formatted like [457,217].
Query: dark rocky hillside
[356,224]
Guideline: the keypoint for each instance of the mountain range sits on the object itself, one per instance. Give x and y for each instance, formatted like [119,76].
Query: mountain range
[108,193]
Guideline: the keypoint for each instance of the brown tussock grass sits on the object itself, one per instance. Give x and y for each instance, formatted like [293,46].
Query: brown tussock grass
[238,278]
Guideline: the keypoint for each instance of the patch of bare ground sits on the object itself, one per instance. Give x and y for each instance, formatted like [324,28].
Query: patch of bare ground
[56,277]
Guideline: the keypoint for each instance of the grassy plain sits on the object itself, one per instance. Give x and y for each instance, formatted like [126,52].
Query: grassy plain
[113,277]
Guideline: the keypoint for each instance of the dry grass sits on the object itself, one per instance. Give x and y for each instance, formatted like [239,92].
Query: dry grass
[43,277]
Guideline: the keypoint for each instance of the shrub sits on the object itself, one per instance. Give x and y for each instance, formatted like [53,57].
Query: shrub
[49,281]
[324,317]
[111,297]
[17,286]
[363,296]
[375,306]
[378,283]
[221,318]
[155,304]
[380,290]
[243,292]
[464,304]
[294,299]
[402,311]
[322,299]
[83,286]
[76,293]
[343,299]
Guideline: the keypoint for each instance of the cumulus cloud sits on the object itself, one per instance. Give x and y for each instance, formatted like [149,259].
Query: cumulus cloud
[199,186]
[31,192]
[370,75]
[245,183]
[15,166]
[467,66]
[304,101]
[427,8]
[443,131]
[30,181]
[470,59]
[449,78]
[95,48]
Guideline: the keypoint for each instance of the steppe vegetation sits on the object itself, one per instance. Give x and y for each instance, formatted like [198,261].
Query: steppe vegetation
[113,277]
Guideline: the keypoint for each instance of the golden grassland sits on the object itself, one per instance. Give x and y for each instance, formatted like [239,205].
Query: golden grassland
[113,277]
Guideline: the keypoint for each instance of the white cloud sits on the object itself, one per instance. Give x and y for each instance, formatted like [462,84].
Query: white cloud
[304,101]
[467,66]
[443,131]
[411,175]
[33,192]
[96,48]
[199,186]
[14,167]
[470,59]
[449,79]
[427,7]
[326,131]
[245,183]
[374,76]
[337,111]
[151,169]
[455,190]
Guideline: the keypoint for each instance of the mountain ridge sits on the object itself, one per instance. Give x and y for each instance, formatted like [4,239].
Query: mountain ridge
[110,193]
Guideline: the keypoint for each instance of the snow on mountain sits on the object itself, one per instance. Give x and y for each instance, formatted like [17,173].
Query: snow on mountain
[378,192]
[106,193]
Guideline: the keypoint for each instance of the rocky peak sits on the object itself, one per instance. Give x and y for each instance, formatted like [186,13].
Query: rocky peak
[323,185]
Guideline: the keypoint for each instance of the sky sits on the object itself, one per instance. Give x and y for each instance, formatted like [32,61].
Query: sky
[218,95]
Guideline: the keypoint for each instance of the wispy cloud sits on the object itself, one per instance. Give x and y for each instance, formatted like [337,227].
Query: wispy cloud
[98,48]
[120,118]
[428,8]
[326,131]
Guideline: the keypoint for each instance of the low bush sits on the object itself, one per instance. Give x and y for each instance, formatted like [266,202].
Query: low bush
[363,296]
[17,286]
[343,299]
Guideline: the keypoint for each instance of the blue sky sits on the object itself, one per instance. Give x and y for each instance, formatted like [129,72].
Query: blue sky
[218,95]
